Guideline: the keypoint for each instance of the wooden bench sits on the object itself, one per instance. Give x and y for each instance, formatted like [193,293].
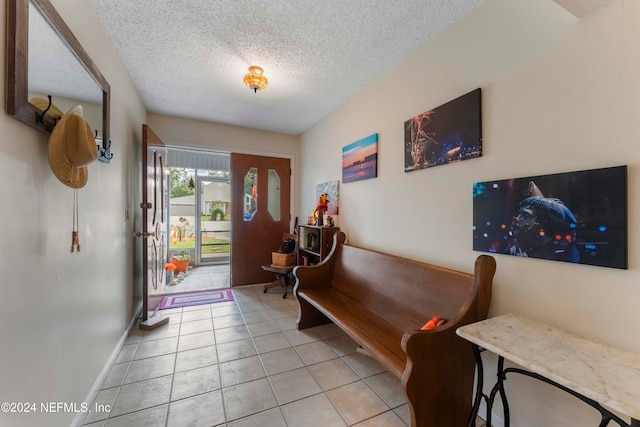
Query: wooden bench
[382,301]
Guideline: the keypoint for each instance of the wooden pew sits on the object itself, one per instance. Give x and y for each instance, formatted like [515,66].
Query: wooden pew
[382,301]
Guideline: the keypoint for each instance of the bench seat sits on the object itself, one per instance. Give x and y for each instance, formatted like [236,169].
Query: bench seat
[368,329]
[382,301]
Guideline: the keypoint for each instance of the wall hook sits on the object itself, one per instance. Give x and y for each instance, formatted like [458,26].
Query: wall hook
[40,116]
[104,150]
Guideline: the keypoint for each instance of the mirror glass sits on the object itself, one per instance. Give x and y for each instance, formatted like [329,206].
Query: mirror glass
[55,70]
[44,59]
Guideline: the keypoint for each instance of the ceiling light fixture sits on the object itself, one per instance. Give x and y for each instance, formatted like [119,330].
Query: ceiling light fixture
[255,79]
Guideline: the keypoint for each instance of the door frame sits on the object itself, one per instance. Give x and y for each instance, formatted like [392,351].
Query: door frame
[292,164]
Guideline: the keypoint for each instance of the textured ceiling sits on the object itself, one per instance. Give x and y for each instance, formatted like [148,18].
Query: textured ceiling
[187,57]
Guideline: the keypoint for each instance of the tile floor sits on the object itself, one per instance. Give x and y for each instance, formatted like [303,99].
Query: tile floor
[243,364]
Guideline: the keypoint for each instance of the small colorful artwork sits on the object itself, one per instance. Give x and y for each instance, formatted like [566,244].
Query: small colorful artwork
[331,190]
[449,133]
[360,159]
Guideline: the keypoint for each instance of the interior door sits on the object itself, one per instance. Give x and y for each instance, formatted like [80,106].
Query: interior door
[154,215]
[260,214]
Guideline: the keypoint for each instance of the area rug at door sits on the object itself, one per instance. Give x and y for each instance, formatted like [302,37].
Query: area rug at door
[195,298]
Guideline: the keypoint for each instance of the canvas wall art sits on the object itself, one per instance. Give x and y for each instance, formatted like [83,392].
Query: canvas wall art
[578,217]
[360,159]
[331,190]
[449,133]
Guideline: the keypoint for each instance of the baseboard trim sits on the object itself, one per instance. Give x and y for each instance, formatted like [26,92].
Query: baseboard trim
[77,421]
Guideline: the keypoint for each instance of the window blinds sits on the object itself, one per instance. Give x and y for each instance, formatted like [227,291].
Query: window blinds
[194,159]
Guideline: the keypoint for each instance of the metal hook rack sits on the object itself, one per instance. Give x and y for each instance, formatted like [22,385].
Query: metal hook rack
[104,150]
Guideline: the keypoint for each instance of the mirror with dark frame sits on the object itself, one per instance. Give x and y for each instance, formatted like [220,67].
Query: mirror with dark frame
[49,72]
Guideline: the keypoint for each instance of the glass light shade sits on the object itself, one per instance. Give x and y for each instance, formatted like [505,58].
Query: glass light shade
[255,79]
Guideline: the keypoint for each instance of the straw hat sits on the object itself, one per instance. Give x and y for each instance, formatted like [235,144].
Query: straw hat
[71,148]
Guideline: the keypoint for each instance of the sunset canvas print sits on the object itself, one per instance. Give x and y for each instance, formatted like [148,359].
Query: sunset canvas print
[360,159]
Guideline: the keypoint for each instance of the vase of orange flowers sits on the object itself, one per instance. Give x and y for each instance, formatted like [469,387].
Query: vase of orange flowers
[170,268]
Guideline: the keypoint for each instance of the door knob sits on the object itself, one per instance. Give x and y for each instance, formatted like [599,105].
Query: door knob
[139,234]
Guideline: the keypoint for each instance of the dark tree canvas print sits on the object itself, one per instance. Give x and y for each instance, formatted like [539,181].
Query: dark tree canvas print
[449,133]
[578,217]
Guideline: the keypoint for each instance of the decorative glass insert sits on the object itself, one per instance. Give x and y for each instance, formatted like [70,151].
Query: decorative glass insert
[250,201]
[273,197]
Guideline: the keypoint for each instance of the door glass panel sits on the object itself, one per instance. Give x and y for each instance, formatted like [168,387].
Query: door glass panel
[182,209]
[215,226]
[250,202]
[273,197]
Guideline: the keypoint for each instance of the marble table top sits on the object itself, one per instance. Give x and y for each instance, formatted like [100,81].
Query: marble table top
[606,374]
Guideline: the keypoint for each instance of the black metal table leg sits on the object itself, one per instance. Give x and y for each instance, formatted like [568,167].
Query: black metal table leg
[498,388]
[479,384]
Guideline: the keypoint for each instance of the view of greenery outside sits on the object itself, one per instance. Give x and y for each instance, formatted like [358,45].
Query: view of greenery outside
[249,182]
[182,183]
[179,179]
[208,218]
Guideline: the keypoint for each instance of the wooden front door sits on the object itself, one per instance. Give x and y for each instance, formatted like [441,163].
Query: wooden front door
[260,214]
[154,215]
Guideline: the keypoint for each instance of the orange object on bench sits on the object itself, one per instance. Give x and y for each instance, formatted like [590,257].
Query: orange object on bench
[433,323]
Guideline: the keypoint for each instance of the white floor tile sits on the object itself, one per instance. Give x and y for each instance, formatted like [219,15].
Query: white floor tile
[241,371]
[235,350]
[204,410]
[194,382]
[247,399]
[294,385]
[152,417]
[152,367]
[314,411]
[142,395]
[280,361]
[196,358]
[356,402]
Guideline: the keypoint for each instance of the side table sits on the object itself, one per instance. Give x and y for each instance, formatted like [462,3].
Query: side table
[596,373]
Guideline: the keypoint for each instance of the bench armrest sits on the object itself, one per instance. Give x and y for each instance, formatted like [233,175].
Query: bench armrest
[438,376]
[440,365]
[319,276]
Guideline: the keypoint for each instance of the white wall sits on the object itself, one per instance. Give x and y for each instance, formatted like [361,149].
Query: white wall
[62,314]
[558,95]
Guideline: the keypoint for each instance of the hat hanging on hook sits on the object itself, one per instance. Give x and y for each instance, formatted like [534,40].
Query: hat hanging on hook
[71,148]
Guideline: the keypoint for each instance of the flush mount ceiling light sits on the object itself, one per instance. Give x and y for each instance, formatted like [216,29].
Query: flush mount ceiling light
[255,79]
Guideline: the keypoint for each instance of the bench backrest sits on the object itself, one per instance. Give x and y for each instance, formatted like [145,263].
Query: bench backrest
[385,283]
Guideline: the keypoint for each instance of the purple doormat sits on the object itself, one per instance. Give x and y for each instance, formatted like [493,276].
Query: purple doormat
[195,298]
